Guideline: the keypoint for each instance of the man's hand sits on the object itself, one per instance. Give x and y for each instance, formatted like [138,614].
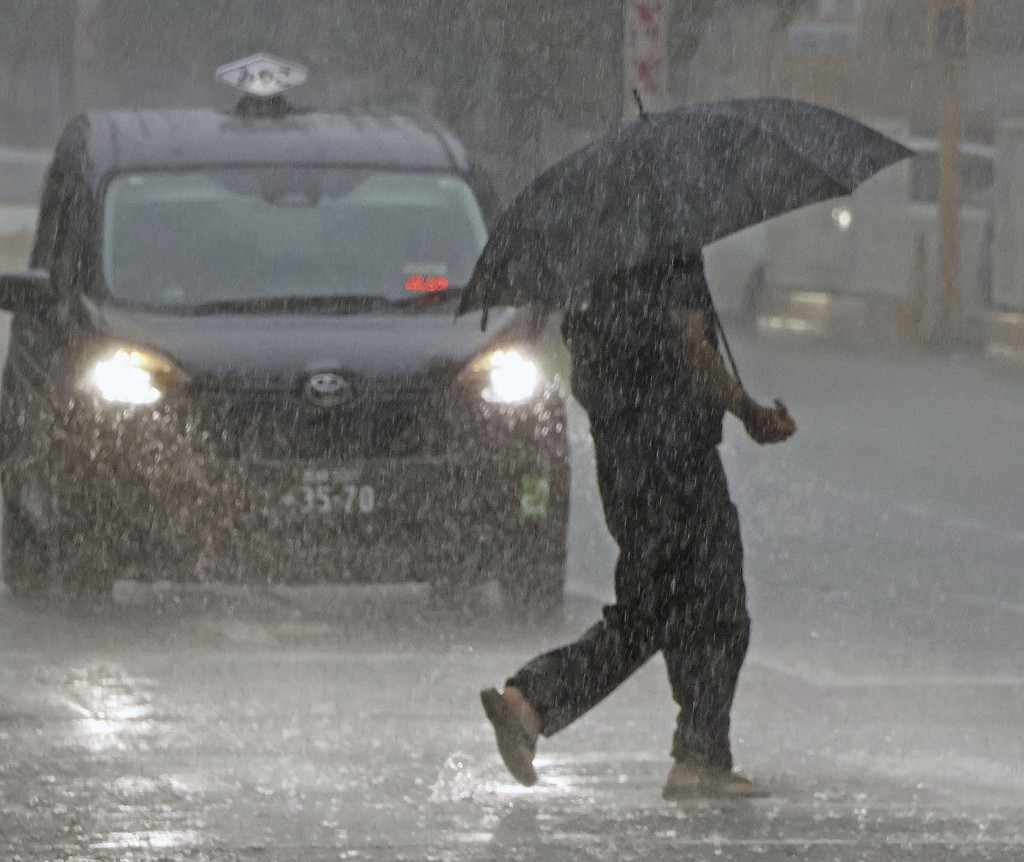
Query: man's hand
[768,424]
[713,384]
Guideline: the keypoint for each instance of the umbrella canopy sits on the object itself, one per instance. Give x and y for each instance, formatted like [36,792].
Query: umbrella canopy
[669,184]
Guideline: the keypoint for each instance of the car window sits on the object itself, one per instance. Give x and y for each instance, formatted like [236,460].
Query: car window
[182,239]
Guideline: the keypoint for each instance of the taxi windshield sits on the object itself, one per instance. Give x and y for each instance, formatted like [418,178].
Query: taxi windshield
[295,236]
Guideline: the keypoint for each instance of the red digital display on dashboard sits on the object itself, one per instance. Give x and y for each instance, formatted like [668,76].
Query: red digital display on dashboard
[426,283]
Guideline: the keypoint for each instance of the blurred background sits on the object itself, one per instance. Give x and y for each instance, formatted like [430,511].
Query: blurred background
[520,82]
[525,83]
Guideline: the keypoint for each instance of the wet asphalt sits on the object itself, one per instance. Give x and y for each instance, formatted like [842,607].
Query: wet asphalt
[882,701]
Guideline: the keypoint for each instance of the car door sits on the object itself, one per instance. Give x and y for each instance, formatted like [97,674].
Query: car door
[37,377]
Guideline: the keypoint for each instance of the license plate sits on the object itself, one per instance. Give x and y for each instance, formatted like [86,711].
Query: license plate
[331,492]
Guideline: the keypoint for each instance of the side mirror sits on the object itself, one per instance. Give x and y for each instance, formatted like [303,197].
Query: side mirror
[28,291]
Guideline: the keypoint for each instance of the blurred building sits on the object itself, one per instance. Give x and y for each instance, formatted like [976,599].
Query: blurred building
[871,263]
[521,82]
[867,58]
[35,50]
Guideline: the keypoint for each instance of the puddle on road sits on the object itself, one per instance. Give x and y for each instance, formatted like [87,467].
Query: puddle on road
[149,840]
[111,709]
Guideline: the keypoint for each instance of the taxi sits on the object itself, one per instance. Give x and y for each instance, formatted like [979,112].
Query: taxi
[235,357]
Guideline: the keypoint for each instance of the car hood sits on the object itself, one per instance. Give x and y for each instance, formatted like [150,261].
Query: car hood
[273,347]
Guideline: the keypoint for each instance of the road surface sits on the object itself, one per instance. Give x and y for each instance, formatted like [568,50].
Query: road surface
[882,701]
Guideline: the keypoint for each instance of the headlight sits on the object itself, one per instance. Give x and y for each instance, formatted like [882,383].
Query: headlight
[508,376]
[126,375]
[842,217]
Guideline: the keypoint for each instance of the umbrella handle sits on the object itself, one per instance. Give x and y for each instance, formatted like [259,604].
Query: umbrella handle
[725,344]
[485,307]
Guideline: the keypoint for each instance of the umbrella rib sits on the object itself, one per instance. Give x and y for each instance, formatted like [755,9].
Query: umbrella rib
[800,156]
[768,133]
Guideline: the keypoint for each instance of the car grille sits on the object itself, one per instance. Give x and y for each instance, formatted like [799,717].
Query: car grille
[283,425]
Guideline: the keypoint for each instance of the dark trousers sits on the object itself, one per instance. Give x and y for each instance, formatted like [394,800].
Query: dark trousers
[678,590]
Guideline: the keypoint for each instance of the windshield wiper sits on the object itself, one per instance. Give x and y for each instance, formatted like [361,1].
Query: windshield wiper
[343,302]
[273,304]
[427,299]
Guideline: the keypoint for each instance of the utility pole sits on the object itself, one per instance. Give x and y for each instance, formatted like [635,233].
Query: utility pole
[645,56]
[950,37]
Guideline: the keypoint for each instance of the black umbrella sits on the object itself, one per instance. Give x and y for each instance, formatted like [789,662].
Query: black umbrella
[669,184]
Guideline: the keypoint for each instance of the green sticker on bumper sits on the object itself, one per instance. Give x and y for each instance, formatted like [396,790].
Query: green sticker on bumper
[534,497]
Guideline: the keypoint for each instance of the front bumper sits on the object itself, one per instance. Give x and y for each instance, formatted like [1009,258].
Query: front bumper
[485,491]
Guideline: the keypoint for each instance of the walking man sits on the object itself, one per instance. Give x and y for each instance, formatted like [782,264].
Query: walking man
[647,369]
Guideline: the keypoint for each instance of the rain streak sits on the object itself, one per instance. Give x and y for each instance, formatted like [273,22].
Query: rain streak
[565,430]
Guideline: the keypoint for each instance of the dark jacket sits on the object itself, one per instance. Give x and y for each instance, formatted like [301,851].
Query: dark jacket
[629,375]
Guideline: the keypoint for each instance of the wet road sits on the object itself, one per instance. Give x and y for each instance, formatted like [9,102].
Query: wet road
[883,699]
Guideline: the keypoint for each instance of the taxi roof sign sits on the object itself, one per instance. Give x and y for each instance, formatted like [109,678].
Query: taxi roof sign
[262,75]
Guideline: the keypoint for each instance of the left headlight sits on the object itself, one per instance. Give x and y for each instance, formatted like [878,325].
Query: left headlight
[508,376]
[128,375]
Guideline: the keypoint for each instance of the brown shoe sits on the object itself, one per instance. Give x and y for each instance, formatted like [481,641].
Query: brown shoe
[687,781]
[516,744]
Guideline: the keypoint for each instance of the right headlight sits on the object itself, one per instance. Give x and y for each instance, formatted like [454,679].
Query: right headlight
[508,376]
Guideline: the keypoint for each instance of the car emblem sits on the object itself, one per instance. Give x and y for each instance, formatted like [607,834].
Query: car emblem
[327,389]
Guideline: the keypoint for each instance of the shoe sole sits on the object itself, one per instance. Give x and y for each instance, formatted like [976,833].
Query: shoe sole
[511,737]
[709,791]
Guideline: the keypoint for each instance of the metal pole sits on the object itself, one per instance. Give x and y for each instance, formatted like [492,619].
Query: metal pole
[950,36]
[645,56]
[949,192]
[628,108]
